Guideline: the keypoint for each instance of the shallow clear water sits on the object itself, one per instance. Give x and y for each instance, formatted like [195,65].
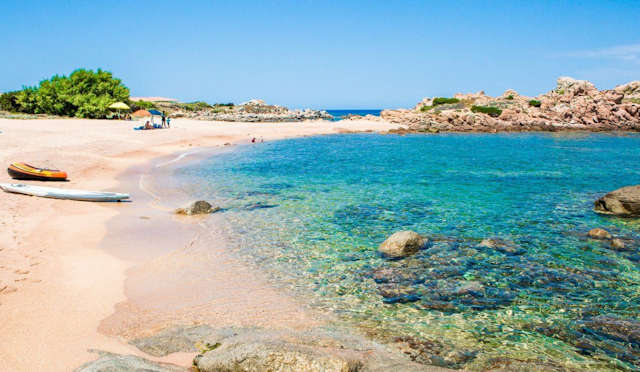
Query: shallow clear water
[312,211]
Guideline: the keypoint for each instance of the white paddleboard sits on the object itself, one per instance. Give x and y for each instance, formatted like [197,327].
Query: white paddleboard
[55,193]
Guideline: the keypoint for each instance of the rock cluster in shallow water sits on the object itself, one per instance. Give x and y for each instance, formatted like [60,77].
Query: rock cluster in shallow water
[572,105]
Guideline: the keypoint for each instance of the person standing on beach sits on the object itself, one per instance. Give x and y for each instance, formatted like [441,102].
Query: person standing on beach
[164,120]
[168,122]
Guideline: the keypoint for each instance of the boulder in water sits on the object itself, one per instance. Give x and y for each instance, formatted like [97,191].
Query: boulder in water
[599,233]
[617,244]
[198,207]
[624,202]
[403,243]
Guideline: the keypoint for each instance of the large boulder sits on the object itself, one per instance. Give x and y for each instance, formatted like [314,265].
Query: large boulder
[197,207]
[403,243]
[624,202]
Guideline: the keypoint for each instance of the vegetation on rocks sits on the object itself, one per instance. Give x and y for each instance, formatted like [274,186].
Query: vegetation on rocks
[489,110]
[535,103]
[83,94]
[437,101]
[201,105]
[444,100]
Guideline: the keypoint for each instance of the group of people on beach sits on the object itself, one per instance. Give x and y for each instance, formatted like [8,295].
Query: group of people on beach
[166,122]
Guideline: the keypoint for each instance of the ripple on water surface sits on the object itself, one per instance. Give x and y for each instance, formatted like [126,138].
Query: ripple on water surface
[312,211]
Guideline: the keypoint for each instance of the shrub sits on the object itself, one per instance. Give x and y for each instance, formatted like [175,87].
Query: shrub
[8,102]
[426,108]
[489,110]
[561,91]
[510,97]
[535,103]
[444,100]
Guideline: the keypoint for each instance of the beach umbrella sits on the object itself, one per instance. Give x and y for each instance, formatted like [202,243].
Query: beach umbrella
[119,106]
[141,113]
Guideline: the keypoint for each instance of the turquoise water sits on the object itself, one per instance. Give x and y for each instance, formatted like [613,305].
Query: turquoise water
[340,114]
[311,212]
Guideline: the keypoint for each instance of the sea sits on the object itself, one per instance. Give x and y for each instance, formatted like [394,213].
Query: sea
[311,212]
[340,114]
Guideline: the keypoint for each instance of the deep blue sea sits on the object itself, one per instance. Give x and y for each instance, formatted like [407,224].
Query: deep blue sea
[339,114]
[311,213]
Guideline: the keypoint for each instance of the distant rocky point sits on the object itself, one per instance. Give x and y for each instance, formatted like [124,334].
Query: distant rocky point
[572,105]
[255,110]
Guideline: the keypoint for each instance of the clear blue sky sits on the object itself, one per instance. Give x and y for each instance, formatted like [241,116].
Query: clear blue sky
[322,54]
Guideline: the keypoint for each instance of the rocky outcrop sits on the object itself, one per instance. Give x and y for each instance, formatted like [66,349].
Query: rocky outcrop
[630,91]
[255,110]
[624,202]
[572,105]
[402,243]
[197,207]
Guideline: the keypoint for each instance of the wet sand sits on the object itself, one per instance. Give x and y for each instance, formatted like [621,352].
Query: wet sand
[76,276]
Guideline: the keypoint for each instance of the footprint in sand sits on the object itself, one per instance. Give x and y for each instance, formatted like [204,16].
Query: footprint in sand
[21,272]
[7,289]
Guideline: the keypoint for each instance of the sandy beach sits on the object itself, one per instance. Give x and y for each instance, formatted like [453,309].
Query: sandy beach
[76,276]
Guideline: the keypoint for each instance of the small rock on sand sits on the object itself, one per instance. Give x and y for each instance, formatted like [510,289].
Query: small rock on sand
[599,233]
[402,243]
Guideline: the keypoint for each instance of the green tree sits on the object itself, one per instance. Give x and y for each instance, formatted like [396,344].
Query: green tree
[84,94]
[8,101]
[27,100]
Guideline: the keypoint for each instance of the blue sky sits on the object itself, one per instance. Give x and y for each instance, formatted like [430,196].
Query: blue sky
[323,54]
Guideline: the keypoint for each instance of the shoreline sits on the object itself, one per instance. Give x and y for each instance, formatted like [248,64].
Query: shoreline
[61,287]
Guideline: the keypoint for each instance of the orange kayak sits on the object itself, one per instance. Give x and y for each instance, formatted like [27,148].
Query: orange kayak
[24,171]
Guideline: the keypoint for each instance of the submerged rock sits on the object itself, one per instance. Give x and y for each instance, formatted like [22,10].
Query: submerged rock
[501,245]
[599,233]
[173,340]
[624,202]
[197,207]
[617,244]
[125,363]
[403,243]
[274,356]
[313,350]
